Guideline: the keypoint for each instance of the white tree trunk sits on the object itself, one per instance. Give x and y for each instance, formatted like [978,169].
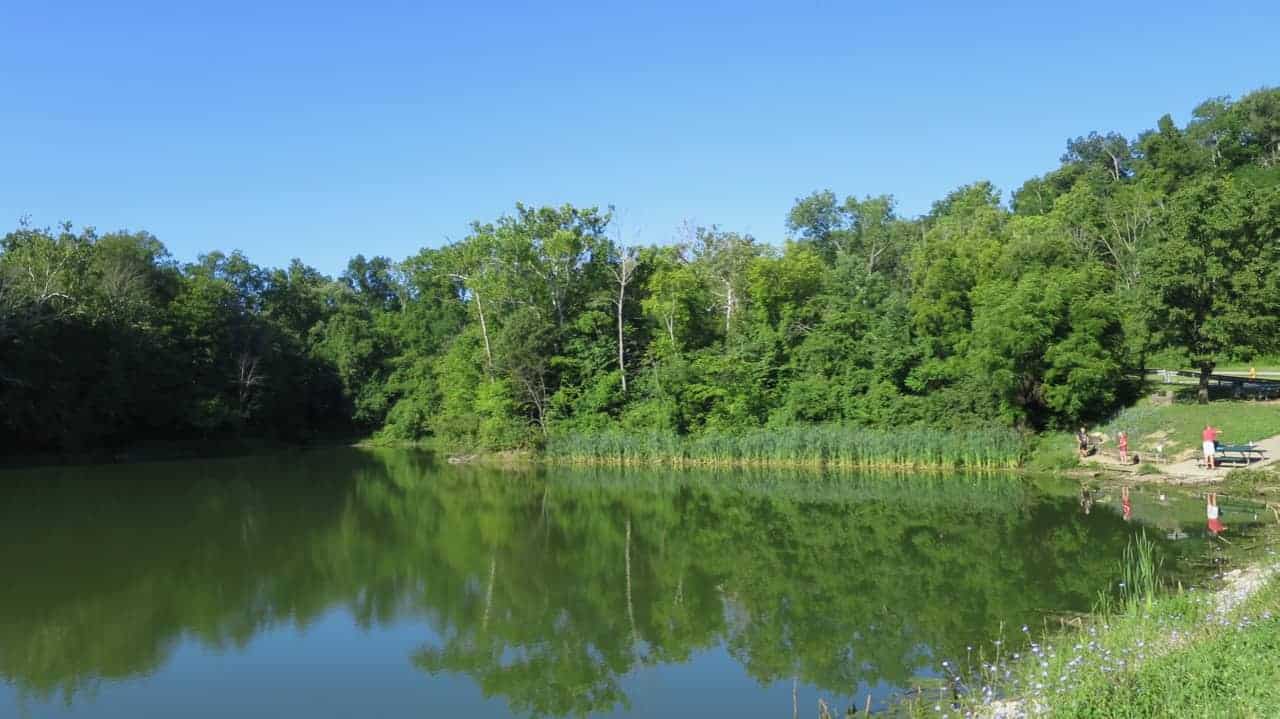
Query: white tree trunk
[484,332]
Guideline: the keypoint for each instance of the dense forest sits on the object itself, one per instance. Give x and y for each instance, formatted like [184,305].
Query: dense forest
[1032,314]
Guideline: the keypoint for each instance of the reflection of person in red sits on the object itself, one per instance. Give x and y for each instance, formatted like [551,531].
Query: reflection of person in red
[1211,511]
[1125,506]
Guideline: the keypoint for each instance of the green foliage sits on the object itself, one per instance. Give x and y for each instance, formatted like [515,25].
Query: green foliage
[1160,250]
[1213,285]
[1053,451]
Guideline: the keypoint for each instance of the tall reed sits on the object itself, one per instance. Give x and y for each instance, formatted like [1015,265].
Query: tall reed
[816,445]
[1140,570]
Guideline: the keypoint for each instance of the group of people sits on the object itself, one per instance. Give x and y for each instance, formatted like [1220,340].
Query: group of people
[1085,446]
[1209,445]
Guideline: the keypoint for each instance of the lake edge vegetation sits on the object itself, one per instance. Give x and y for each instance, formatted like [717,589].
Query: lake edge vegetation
[543,330]
[796,446]
[1152,651]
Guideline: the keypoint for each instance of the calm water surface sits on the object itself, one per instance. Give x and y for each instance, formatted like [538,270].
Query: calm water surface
[343,583]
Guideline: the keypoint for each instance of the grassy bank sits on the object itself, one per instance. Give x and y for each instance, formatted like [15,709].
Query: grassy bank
[825,445]
[1145,653]
[1171,432]
[1180,656]
[1177,426]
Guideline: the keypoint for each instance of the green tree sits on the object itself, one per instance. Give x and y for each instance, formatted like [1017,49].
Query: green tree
[1211,285]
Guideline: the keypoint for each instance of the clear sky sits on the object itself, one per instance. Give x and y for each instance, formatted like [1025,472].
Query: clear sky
[319,130]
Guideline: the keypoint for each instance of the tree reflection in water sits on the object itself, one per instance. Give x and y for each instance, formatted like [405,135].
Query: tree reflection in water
[545,589]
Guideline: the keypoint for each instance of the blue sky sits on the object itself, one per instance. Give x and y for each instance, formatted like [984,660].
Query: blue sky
[319,130]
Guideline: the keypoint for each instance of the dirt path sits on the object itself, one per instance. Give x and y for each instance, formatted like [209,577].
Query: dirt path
[1188,471]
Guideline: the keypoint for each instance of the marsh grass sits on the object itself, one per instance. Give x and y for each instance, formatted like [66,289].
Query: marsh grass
[1140,571]
[819,445]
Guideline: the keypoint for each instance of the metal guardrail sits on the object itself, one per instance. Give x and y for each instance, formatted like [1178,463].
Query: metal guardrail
[1219,378]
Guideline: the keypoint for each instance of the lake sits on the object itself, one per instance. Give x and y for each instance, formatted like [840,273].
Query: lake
[379,583]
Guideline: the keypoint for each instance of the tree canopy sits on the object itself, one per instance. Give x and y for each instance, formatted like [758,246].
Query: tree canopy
[1033,315]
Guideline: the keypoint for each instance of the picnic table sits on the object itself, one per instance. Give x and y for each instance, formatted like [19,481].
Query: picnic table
[1243,453]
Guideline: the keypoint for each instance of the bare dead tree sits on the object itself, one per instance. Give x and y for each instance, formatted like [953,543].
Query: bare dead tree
[122,282]
[248,377]
[534,382]
[47,281]
[623,273]
[474,291]
[1128,227]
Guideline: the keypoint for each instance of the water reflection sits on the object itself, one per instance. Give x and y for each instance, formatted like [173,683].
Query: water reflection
[544,591]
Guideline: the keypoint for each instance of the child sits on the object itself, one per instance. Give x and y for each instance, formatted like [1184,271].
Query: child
[1082,441]
[1123,442]
[1211,511]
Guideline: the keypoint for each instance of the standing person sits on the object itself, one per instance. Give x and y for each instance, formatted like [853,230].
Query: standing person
[1211,511]
[1210,440]
[1123,442]
[1082,442]
[1253,373]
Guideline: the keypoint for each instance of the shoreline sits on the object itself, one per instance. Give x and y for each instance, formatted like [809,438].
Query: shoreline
[1219,611]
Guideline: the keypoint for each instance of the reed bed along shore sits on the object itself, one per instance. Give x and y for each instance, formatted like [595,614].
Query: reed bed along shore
[816,446]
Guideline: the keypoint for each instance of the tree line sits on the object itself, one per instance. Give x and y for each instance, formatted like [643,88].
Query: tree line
[1034,313]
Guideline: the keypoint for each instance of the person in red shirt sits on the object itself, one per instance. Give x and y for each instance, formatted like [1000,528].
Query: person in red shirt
[1210,438]
[1123,442]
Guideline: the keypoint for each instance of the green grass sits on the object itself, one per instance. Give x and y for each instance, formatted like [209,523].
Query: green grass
[1054,451]
[1145,654]
[1227,668]
[818,445]
[1260,483]
[1179,425]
